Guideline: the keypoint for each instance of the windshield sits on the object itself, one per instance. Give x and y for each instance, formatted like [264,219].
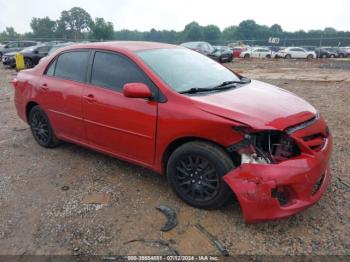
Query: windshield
[183,69]
[29,49]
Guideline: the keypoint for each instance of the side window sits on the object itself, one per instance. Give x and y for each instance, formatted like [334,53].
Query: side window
[113,71]
[72,65]
[50,71]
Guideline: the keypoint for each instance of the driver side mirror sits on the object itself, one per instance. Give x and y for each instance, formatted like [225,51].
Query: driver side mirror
[136,90]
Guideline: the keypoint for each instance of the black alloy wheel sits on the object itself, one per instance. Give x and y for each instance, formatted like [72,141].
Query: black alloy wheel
[197,178]
[195,172]
[41,128]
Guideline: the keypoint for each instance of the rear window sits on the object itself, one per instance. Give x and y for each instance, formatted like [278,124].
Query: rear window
[72,65]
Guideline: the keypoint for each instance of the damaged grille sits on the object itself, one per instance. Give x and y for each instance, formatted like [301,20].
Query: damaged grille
[315,142]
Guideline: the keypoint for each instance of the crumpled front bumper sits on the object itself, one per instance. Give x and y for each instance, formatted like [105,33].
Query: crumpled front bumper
[300,182]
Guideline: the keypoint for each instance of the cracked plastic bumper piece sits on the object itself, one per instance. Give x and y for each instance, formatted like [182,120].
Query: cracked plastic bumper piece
[273,191]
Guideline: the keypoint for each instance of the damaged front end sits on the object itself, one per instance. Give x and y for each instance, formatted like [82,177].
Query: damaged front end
[280,173]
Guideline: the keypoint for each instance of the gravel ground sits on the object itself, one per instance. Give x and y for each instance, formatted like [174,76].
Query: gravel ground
[72,200]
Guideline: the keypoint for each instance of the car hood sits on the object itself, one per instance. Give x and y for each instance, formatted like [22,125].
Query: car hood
[10,54]
[259,105]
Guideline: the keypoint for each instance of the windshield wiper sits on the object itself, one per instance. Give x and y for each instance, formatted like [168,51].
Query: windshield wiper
[222,86]
[227,83]
[195,90]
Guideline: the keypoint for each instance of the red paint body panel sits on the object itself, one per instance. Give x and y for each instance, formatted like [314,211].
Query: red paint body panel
[141,130]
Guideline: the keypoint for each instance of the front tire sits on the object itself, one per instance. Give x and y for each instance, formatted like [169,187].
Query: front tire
[246,56]
[310,57]
[41,128]
[288,56]
[195,172]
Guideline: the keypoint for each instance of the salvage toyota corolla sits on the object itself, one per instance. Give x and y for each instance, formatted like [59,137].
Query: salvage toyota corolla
[212,132]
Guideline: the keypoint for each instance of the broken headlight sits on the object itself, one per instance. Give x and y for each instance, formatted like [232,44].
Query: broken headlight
[265,147]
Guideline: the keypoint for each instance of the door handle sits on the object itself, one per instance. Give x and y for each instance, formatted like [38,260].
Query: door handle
[90,98]
[44,86]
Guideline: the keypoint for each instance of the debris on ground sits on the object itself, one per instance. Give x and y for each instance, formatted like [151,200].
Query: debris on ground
[170,215]
[160,242]
[220,247]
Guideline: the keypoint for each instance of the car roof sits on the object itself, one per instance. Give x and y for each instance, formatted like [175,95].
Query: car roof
[132,46]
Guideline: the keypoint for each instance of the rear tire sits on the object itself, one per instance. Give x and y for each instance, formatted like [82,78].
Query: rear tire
[41,128]
[246,56]
[195,172]
[268,56]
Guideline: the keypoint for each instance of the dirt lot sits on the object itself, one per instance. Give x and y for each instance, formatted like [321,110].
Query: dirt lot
[71,200]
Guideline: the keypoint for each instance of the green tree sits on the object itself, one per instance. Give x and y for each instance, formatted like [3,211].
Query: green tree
[102,30]
[9,34]
[229,33]
[276,30]
[193,32]
[73,22]
[43,27]
[330,31]
[211,33]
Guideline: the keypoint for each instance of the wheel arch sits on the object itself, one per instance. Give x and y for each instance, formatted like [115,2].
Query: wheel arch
[183,140]
[29,107]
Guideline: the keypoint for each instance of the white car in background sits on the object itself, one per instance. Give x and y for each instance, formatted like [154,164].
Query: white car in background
[295,52]
[257,52]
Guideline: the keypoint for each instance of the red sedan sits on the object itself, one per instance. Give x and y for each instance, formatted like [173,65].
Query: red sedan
[213,133]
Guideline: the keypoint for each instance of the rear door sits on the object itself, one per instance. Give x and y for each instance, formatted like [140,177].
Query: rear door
[60,92]
[114,123]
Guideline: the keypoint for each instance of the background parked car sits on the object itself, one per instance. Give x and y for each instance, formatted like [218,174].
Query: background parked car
[336,52]
[257,52]
[237,51]
[207,49]
[58,46]
[309,47]
[32,55]
[225,54]
[201,47]
[15,46]
[296,52]
[274,50]
[323,52]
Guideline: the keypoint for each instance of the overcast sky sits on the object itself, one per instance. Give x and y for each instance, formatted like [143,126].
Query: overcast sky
[162,14]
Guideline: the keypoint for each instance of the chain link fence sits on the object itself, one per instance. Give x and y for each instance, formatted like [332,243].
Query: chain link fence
[323,41]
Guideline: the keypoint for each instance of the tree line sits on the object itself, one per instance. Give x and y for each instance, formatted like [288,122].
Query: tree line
[77,24]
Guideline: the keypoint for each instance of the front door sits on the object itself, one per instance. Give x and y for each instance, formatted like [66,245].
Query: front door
[116,124]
